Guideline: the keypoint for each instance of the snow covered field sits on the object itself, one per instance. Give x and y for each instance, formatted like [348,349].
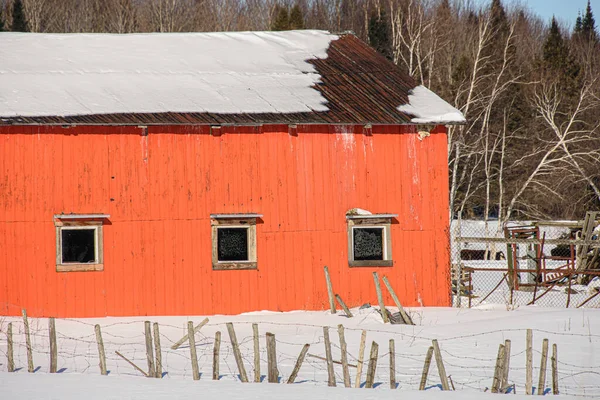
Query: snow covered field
[468,339]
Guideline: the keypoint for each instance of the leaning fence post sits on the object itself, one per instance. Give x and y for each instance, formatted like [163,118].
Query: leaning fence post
[505,366]
[543,363]
[554,370]
[329,290]
[272,358]
[216,351]
[9,349]
[343,305]
[236,352]
[426,368]
[53,349]
[440,365]
[193,355]
[392,364]
[380,298]
[372,365]
[497,381]
[157,352]
[256,353]
[149,350]
[361,358]
[30,367]
[101,354]
[330,372]
[344,351]
[299,362]
[529,363]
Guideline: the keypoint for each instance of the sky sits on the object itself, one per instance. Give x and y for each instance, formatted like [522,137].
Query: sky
[564,10]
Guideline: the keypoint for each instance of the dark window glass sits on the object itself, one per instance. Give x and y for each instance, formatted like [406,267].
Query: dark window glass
[78,245]
[368,244]
[232,244]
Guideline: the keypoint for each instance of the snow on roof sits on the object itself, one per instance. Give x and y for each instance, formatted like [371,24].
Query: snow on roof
[427,107]
[234,72]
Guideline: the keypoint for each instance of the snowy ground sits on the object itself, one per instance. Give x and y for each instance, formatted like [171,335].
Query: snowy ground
[468,339]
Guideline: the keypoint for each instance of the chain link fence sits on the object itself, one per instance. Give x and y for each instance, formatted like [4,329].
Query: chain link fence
[523,263]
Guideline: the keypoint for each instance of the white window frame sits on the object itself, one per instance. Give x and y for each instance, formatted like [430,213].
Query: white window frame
[379,221]
[247,221]
[80,222]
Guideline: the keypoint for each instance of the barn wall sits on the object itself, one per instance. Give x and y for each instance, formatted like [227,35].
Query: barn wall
[160,189]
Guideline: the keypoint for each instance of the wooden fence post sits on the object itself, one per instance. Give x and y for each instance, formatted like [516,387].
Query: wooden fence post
[236,353]
[193,355]
[329,290]
[273,372]
[330,371]
[344,351]
[216,350]
[53,349]
[372,365]
[132,364]
[392,364]
[299,362]
[440,365]
[543,364]
[497,381]
[185,338]
[407,319]
[505,366]
[30,367]
[157,352]
[256,353]
[361,358]
[380,298]
[10,349]
[529,363]
[149,349]
[343,305]
[426,368]
[101,354]
[554,369]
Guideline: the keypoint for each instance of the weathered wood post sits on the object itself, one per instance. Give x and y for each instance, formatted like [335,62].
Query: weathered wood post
[101,354]
[53,349]
[440,364]
[497,382]
[193,355]
[299,362]
[216,350]
[343,305]
[185,337]
[149,349]
[256,353]
[392,364]
[529,363]
[273,372]
[329,290]
[380,299]
[505,366]
[372,365]
[554,369]
[426,366]
[236,353]
[361,358]
[407,319]
[543,365]
[330,371]
[157,352]
[30,367]
[344,351]
[10,355]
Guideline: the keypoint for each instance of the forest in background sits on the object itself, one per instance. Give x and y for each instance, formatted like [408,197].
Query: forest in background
[529,88]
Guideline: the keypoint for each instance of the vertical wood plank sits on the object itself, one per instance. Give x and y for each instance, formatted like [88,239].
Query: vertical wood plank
[101,354]
[330,371]
[30,367]
[426,366]
[344,351]
[157,352]
[216,351]
[554,369]
[505,366]
[53,349]
[236,352]
[299,362]
[256,353]
[529,363]
[372,365]
[193,355]
[10,349]
[149,349]
[543,363]
[392,364]
[273,372]
[361,358]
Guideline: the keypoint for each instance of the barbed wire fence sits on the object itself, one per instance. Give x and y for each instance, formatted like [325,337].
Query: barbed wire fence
[542,270]
[467,370]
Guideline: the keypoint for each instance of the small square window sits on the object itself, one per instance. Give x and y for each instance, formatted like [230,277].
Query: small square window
[234,241]
[369,240]
[79,242]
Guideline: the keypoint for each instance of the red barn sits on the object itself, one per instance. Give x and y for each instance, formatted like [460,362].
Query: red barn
[202,173]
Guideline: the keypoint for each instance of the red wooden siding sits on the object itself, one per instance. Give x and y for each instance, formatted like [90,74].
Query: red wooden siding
[160,190]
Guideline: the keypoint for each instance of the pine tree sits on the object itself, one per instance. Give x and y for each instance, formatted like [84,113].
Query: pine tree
[558,61]
[588,24]
[578,25]
[282,19]
[19,22]
[379,34]
[296,18]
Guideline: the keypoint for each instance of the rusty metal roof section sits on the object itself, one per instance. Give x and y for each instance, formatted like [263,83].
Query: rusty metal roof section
[360,87]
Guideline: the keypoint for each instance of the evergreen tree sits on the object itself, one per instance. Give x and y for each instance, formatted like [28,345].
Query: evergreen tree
[379,34]
[282,19]
[588,24]
[19,22]
[499,21]
[558,61]
[296,18]
[578,25]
